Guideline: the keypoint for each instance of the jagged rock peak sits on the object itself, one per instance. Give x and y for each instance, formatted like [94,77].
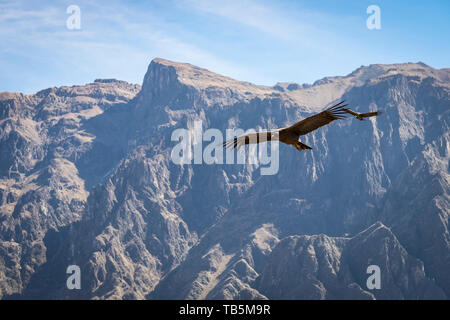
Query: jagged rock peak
[6,95]
[197,77]
[418,69]
[98,88]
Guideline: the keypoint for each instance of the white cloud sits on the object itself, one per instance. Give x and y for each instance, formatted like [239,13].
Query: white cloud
[269,18]
[249,13]
[114,40]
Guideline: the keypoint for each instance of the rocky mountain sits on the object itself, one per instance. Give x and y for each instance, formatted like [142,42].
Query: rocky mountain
[87,179]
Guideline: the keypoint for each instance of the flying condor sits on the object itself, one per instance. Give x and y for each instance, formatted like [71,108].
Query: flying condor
[291,135]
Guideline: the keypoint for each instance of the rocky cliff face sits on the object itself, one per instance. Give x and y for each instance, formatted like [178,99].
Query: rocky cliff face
[321,267]
[48,150]
[86,178]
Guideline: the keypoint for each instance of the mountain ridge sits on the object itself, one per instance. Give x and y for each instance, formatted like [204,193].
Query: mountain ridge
[87,179]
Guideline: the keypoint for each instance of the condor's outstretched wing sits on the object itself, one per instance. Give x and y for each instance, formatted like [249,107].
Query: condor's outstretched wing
[318,120]
[370,114]
[251,138]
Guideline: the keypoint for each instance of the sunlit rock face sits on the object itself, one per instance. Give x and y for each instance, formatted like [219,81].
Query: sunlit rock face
[87,178]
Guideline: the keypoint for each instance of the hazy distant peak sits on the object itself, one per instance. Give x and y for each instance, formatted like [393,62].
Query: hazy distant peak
[289,86]
[109,81]
[98,88]
[6,95]
[418,69]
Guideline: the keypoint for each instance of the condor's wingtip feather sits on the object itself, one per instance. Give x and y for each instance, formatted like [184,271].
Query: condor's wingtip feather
[336,105]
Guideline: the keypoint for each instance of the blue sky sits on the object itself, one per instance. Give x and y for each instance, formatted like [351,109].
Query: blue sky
[263,42]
